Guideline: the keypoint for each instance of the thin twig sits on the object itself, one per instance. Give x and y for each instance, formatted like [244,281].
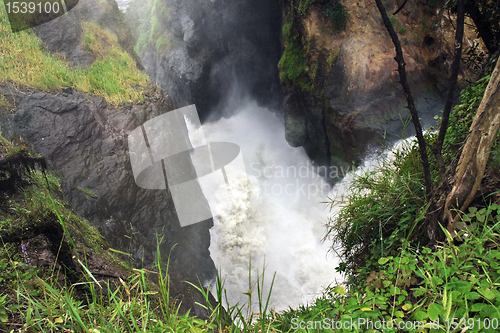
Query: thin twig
[400,7]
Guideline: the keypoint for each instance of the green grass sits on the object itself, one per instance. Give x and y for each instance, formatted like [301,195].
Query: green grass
[113,76]
[380,209]
[40,299]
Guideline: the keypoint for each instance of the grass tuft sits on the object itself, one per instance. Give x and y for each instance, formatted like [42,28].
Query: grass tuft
[113,76]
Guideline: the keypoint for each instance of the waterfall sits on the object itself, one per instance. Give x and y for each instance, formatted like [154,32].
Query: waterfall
[275,214]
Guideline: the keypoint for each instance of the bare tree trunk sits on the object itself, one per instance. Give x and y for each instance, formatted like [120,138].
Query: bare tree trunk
[475,153]
[409,97]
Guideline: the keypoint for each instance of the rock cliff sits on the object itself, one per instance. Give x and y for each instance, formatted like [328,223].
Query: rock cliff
[84,139]
[342,89]
[209,52]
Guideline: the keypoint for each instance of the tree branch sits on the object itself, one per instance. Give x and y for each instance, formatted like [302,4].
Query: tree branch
[409,97]
[400,7]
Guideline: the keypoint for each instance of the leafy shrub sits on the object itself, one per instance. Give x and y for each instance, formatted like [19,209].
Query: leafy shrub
[463,114]
[421,286]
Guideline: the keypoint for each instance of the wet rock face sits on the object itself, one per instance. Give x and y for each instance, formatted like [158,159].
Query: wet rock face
[355,98]
[85,141]
[218,49]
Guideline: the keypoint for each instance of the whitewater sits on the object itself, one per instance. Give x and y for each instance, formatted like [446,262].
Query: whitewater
[271,216]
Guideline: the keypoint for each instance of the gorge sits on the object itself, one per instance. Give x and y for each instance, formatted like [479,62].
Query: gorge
[224,57]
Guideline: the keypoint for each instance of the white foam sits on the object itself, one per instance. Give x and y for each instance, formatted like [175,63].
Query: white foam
[269,214]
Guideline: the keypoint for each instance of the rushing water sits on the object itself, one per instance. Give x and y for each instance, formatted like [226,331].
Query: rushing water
[273,215]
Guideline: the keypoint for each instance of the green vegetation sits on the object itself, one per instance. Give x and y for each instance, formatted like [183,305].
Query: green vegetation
[87,191]
[463,115]
[337,14]
[150,19]
[418,287]
[113,76]
[380,211]
[391,275]
[334,10]
[293,69]
[384,207]
[397,26]
[37,289]
[3,102]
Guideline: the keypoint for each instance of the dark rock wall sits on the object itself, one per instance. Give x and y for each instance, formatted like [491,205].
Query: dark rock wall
[220,51]
[85,141]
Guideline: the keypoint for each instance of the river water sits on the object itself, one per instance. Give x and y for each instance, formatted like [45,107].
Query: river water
[272,216]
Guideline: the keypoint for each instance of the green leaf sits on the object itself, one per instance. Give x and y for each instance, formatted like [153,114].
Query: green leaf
[488,294]
[476,307]
[382,261]
[420,315]
[434,311]
[437,280]
[407,307]
[488,311]
[3,316]
[420,291]
[473,295]
[339,290]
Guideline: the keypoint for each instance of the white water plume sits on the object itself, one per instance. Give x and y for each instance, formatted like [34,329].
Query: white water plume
[275,213]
